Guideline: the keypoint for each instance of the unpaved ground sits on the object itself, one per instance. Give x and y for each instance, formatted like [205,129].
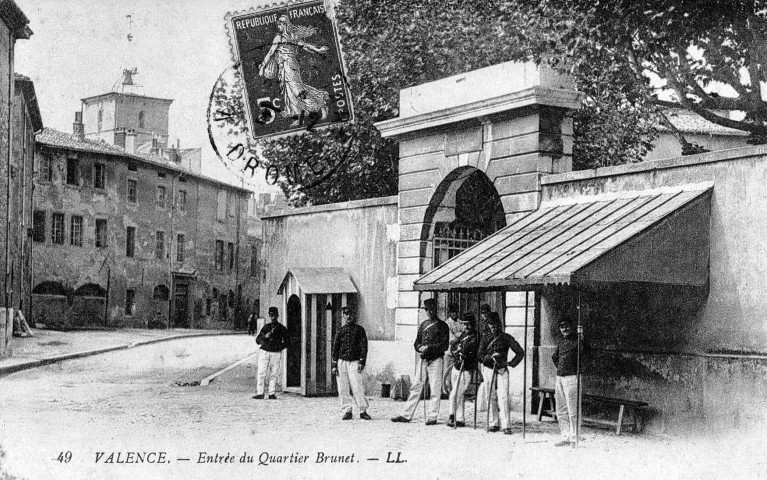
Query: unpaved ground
[127,401]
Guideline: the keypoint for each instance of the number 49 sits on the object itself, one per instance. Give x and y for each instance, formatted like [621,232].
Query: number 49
[64,457]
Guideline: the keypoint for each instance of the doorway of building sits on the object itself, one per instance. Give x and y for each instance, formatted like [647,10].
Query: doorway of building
[181,304]
[293,371]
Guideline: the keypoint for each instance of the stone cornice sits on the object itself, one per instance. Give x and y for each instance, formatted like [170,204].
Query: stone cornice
[552,97]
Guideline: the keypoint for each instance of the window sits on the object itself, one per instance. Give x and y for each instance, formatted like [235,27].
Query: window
[182,200]
[130,301]
[46,169]
[101,233]
[230,253]
[159,246]
[221,206]
[219,257]
[208,304]
[38,226]
[76,231]
[130,241]
[180,248]
[57,228]
[141,119]
[132,190]
[161,196]
[100,119]
[99,175]
[160,174]
[254,260]
[231,204]
[132,167]
[73,172]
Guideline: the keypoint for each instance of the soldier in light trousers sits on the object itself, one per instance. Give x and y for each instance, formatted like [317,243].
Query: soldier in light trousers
[350,349]
[273,339]
[431,342]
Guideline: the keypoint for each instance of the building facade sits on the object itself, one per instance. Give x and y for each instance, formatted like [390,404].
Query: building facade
[129,239]
[15,169]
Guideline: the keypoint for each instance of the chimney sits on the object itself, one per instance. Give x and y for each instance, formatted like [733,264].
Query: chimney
[130,141]
[155,150]
[78,129]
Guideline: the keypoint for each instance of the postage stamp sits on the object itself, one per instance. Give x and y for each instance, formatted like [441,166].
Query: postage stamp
[291,66]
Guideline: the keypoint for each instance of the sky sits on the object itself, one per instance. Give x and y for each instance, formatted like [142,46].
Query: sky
[180,47]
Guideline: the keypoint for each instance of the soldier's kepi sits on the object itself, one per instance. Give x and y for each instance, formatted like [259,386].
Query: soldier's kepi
[431,342]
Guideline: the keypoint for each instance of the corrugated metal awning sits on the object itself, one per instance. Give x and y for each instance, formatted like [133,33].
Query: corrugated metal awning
[320,280]
[658,236]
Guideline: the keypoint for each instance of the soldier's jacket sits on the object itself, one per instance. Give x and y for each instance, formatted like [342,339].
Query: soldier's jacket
[500,343]
[465,351]
[434,334]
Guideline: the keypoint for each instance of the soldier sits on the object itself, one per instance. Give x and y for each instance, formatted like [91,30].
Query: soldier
[431,342]
[464,351]
[456,329]
[273,339]
[565,358]
[493,354]
[350,349]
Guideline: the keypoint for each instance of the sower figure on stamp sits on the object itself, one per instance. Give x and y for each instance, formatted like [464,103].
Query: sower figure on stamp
[464,352]
[565,358]
[493,353]
[350,349]
[273,339]
[431,342]
[456,329]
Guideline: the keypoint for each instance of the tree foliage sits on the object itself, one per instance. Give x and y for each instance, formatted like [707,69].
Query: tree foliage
[623,54]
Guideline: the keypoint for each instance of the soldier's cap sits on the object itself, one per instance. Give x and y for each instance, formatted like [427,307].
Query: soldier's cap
[346,310]
[468,318]
[273,311]
[429,304]
[453,307]
[565,323]
[485,308]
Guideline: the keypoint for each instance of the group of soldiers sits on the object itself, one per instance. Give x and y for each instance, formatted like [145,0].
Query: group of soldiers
[455,345]
[470,354]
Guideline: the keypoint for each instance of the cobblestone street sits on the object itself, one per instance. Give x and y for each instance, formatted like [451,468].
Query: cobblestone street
[130,401]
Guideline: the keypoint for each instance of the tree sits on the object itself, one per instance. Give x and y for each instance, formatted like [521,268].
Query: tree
[710,55]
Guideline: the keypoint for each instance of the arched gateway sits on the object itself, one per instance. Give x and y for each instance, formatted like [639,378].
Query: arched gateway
[464,209]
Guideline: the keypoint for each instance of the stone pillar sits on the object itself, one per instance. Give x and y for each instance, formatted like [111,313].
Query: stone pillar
[511,121]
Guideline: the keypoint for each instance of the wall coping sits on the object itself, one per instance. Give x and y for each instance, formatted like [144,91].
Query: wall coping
[334,207]
[554,97]
[732,154]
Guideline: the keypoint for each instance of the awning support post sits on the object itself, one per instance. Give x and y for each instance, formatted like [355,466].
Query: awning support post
[524,372]
[578,375]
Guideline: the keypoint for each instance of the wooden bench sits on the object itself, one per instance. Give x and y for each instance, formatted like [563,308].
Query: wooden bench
[622,403]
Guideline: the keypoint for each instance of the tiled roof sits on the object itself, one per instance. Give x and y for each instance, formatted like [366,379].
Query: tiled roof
[688,122]
[57,139]
[566,241]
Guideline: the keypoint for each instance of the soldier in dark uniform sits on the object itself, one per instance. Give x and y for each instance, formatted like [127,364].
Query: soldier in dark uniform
[493,353]
[273,339]
[431,342]
[350,349]
[565,358]
[464,352]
